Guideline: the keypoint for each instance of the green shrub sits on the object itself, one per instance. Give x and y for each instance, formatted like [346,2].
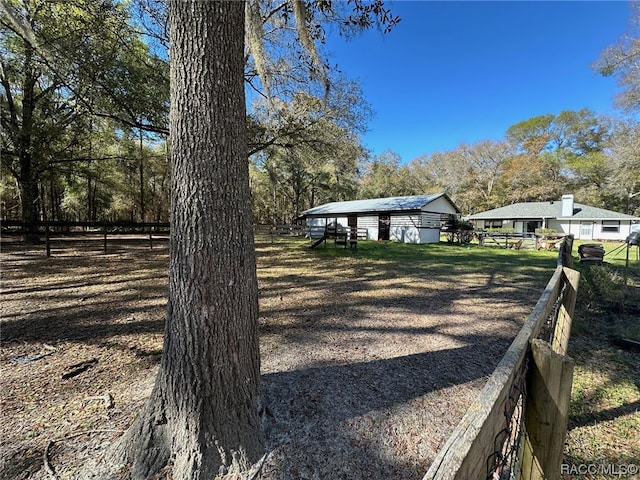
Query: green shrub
[603,288]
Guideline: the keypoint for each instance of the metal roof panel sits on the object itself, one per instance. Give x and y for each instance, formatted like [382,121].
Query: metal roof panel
[389,204]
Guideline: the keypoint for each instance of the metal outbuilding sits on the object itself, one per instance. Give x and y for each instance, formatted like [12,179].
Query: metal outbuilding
[408,219]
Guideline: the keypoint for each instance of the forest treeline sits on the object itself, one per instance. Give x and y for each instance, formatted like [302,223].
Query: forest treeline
[85,105]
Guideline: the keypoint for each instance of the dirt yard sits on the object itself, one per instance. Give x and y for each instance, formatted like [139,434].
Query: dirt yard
[368,360]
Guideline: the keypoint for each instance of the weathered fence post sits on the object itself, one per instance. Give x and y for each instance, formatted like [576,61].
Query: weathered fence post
[48,240]
[560,342]
[546,412]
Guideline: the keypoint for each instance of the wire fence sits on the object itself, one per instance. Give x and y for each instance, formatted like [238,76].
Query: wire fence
[504,460]
[548,328]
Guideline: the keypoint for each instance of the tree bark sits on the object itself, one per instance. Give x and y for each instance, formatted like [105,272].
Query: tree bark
[201,418]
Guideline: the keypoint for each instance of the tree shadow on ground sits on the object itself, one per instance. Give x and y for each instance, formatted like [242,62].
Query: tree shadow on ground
[589,418]
[84,297]
[346,418]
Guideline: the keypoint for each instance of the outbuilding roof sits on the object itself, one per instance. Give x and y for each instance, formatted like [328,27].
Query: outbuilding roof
[552,209]
[389,204]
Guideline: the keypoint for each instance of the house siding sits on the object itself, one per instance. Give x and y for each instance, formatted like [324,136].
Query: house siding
[405,228]
[591,229]
[431,220]
[370,222]
[580,229]
[562,227]
[621,234]
[583,221]
[431,223]
[417,228]
[440,205]
[422,228]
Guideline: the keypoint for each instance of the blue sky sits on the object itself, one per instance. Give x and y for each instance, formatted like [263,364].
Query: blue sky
[455,72]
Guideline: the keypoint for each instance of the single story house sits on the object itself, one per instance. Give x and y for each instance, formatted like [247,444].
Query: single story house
[411,219]
[564,216]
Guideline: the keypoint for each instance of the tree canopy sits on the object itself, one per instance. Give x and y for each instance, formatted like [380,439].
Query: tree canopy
[77,80]
[621,61]
[84,91]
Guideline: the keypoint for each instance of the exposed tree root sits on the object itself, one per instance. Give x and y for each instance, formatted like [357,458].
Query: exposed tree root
[45,456]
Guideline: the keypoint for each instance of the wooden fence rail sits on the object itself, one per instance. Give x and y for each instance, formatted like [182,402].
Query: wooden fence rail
[19,227]
[281,230]
[537,241]
[307,231]
[54,230]
[517,425]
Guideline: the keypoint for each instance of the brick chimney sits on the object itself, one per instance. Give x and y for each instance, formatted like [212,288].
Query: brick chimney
[567,206]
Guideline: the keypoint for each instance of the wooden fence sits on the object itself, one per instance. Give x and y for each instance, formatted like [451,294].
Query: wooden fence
[55,232]
[517,425]
[537,241]
[305,231]
[281,230]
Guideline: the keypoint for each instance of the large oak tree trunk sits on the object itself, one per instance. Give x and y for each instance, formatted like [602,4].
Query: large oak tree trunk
[202,418]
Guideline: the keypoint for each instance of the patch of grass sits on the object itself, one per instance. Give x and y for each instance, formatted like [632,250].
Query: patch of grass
[604,417]
[438,258]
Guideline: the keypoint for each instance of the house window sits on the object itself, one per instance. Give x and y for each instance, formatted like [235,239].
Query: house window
[532,226]
[586,230]
[492,224]
[611,226]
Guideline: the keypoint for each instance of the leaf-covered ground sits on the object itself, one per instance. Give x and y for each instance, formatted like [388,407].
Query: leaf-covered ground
[369,357]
